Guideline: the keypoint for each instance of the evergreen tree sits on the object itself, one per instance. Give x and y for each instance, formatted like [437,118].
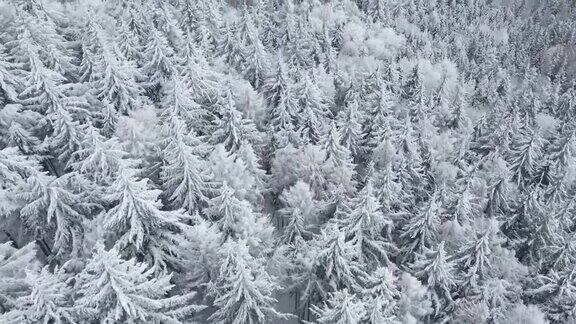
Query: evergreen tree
[184,172]
[235,217]
[54,213]
[367,228]
[232,128]
[243,290]
[381,296]
[342,308]
[127,290]
[434,266]
[49,300]
[137,225]
[13,264]
[421,231]
[299,212]
[158,66]
[313,110]
[117,84]
[348,121]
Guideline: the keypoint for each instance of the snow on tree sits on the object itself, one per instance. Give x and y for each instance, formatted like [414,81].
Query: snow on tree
[184,172]
[381,296]
[54,213]
[117,84]
[299,213]
[243,290]
[230,46]
[97,157]
[66,136]
[525,154]
[158,64]
[13,264]
[438,271]
[422,229]
[414,304]
[348,121]
[49,300]
[128,42]
[128,290]
[177,101]
[336,262]
[367,228]
[253,166]
[258,65]
[339,166]
[278,84]
[230,168]
[313,110]
[236,219]
[10,78]
[342,308]
[138,226]
[476,254]
[232,128]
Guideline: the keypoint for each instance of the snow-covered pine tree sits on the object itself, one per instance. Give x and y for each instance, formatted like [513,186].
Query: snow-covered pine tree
[232,128]
[184,173]
[117,84]
[49,300]
[298,214]
[311,119]
[138,226]
[367,228]
[13,264]
[437,269]
[11,78]
[349,122]
[158,65]
[128,290]
[54,213]
[243,291]
[343,307]
[380,296]
[422,229]
[177,101]
[335,259]
[98,158]
[236,219]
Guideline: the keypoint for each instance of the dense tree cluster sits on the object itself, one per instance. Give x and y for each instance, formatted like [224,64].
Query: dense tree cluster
[287,161]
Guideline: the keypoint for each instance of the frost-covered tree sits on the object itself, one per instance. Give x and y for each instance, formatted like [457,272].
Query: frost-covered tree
[184,173]
[11,77]
[235,217]
[177,101]
[438,270]
[97,157]
[232,128]
[348,121]
[49,300]
[367,228]
[422,229]
[342,308]
[298,214]
[313,110]
[13,264]
[128,290]
[158,64]
[243,290]
[117,84]
[54,213]
[138,226]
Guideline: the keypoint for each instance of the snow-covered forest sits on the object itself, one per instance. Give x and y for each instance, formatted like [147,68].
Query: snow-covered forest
[288,161]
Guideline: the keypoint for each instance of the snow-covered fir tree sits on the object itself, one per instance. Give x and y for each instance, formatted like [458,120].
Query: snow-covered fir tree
[350,161]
